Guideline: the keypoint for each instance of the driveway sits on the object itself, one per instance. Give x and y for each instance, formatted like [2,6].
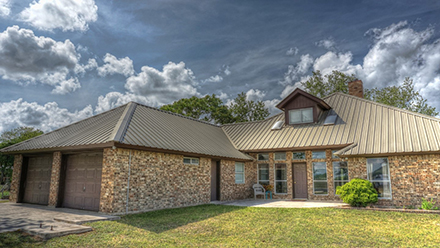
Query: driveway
[46,222]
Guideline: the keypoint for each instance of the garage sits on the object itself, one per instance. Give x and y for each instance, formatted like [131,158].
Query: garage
[82,187]
[37,180]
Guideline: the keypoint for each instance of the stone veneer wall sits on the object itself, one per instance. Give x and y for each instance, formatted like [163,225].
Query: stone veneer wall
[229,190]
[413,177]
[55,179]
[16,174]
[157,181]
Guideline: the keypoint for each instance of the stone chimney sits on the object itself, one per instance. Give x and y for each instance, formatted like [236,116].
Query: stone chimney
[356,88]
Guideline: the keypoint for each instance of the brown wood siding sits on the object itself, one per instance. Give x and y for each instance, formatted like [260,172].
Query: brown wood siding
[302,102]
[83,181]
[37,183]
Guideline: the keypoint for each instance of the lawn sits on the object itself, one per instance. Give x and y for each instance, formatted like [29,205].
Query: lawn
[227,226]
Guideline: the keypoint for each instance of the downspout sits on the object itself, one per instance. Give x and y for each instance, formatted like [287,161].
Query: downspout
[128,181]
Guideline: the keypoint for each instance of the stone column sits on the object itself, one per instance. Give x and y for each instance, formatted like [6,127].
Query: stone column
[55,179]
[16,177]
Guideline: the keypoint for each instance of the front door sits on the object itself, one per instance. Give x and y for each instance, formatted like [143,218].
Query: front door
[215,180]
[299,180]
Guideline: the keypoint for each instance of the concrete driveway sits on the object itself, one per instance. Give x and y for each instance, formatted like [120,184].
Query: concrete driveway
[46,222]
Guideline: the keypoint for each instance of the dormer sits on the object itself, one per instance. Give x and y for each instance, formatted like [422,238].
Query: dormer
[301,107]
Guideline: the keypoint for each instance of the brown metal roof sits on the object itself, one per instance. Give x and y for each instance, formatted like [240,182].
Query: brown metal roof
[137,125]
[374,129]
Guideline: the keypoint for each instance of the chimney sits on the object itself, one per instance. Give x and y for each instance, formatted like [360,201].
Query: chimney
[356,88]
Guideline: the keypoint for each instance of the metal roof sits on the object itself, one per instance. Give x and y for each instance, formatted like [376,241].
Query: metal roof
[134,124]
[374,129]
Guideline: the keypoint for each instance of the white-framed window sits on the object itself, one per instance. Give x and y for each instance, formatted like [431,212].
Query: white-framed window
[280,179]
[280,156]
[263,156]
[263,174]
[378,173]
[193,161]
[318,155]
[320,186]
[298,155]
[297,116]
[239,172]
[340,174]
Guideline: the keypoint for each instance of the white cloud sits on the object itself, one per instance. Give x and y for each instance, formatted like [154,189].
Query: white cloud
[295,72]
[154,87]
[113,65]
[328,44]
[255,95]
[336,61]
[213,79]
[5,8]
[45,117]
[226,70]
[292,51]
[27,58]
[223,96]
[67,86]
[67,15]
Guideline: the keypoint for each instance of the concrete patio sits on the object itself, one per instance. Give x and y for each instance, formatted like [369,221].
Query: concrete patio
[272,203]
[47,222]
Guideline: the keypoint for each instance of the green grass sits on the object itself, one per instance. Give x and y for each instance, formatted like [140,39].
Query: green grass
[227,226]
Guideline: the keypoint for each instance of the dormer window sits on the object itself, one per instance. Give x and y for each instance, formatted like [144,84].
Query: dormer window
[299,116]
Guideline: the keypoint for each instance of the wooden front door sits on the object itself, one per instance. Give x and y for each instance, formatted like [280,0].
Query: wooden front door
[299,180]
[83,181]
[215,180]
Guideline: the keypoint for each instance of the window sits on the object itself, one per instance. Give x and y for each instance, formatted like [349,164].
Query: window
[340,174]
[193,161]
[318,155]
[333,154]
[298,155]
[263,156]
[320,178]
[280,179]
[298,116]
[263,174]
[378,172]
[280,156]
[239,172]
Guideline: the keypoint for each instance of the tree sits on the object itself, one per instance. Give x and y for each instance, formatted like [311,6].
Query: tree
[9,138]
[245,110]
[322,86]
[211,108]
[403,96]
[208,108]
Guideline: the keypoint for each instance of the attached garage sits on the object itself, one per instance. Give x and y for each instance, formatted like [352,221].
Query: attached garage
[36,183]
[82,187]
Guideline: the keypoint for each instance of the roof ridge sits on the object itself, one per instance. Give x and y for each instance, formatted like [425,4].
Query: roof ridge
[386,106]
[248,122]
[123,123]
[61,128]
[179,115]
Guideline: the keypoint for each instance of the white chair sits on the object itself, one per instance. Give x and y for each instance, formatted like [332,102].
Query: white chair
[259,190]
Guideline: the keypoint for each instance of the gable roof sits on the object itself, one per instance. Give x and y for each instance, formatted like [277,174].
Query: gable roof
[298,92]
[372,128]
[136,125]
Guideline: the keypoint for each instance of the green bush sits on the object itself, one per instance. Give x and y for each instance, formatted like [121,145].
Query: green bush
[357,193]
[428,205]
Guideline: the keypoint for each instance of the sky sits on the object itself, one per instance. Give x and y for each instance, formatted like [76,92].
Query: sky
[64,60]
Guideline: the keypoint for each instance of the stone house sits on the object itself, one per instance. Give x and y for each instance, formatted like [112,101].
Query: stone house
[135,158]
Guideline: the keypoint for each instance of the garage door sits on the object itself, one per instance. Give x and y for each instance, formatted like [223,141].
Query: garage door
[37,182]
[83,181]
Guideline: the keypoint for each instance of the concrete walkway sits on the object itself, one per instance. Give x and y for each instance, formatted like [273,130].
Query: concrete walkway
[54,222]
[281,203]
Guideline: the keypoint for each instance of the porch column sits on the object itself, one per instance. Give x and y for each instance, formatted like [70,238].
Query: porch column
[55,179]
[16,176]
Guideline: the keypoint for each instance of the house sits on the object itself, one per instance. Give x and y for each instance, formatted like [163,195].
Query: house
[136,158]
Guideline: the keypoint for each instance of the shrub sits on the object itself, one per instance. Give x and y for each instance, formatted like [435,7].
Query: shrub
[357,193]
[428,205]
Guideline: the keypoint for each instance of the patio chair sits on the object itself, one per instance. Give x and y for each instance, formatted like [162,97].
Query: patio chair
[259,190]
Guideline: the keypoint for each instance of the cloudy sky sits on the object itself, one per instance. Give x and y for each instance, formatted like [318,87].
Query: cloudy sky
[65,60]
